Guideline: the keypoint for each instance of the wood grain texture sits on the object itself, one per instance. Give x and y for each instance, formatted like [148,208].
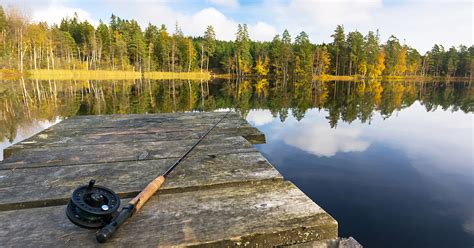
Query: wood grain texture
[225,193]
[138,130]
[134,120]
[264,215]
[121,152]
[34,187]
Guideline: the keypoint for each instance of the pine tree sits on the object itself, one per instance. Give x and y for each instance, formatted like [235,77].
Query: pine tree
[392,52]
[304,53]
[355,43]
[286,53]
[243,56]
[339,49]
[209,44]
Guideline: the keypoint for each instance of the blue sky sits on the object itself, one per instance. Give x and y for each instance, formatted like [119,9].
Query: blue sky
[420,23]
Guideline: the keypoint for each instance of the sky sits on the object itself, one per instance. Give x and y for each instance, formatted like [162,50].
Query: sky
[418,23]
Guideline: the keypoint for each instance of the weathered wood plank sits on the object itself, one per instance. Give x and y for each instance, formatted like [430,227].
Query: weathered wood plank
[24,188]
[64,137]
[265,215]
[136,128]
[107,121]
[175,116]
[118,152]
[146,123]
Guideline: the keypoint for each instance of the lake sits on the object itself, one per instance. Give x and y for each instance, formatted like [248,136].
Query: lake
[392,162]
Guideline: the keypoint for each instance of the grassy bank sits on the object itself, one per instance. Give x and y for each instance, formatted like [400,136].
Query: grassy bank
[393,78]
[337,78]
[177,75]
[12,74]
[426,79]
[101,75]
[222,76]
[9,74]
[82,74]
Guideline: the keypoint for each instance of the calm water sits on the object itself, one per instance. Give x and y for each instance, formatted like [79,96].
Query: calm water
[392,162]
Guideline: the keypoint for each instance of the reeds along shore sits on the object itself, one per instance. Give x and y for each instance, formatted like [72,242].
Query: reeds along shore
[82,74]
[7,74]
[101,75]
[359,78]
[177,75]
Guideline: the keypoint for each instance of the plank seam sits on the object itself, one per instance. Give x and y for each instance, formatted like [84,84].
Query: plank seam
[112,162]
[62,201]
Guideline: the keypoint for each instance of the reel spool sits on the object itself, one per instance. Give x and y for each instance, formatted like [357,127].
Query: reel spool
[92,206]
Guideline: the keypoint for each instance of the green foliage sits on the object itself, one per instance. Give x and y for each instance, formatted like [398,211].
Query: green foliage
[322,61]
[338,51]
[452,61]
[355,44]
[242,51]
[3,19]
[371,53]
[209,43]
[392,50]
[304,54]
[123,45]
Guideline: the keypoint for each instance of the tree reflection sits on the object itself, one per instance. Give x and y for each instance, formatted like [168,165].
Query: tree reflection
[25,101]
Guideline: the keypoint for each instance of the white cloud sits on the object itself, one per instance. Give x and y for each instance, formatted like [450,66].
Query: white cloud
[259,117]
[322,140]
[420,23]
[330,13]
[55,12]
[224,27]
[262,31]
[196,24]
[225,3]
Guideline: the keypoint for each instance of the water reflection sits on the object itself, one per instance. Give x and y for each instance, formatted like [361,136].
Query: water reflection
[322,141]
[411,174]
[24,132]
[259,117]
[25,101]
[389,160]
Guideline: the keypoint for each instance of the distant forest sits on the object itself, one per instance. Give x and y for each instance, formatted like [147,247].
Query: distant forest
[123,45]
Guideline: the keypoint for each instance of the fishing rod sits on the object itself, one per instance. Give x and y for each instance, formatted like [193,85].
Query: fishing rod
[94,207]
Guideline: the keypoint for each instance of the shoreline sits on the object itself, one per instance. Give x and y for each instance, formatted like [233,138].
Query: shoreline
[9,74]
[392,78]
[43,74]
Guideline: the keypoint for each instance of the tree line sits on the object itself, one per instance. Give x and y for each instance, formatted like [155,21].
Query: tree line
[123,45]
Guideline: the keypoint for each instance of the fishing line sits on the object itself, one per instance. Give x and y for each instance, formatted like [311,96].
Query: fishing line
[94,206]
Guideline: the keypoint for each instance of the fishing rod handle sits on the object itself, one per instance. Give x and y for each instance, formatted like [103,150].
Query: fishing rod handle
[146,193]
[133,206]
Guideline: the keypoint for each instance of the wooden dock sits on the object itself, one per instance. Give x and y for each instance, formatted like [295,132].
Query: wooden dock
[224,194]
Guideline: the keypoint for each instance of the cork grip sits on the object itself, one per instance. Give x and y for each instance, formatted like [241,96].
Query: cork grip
[150,189]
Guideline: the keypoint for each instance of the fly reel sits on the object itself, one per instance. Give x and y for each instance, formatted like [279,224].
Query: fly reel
[92,206]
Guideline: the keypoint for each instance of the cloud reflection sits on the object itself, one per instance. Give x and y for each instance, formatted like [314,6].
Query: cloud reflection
[468,225]
[321,140]
[25,132]
[259,117]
